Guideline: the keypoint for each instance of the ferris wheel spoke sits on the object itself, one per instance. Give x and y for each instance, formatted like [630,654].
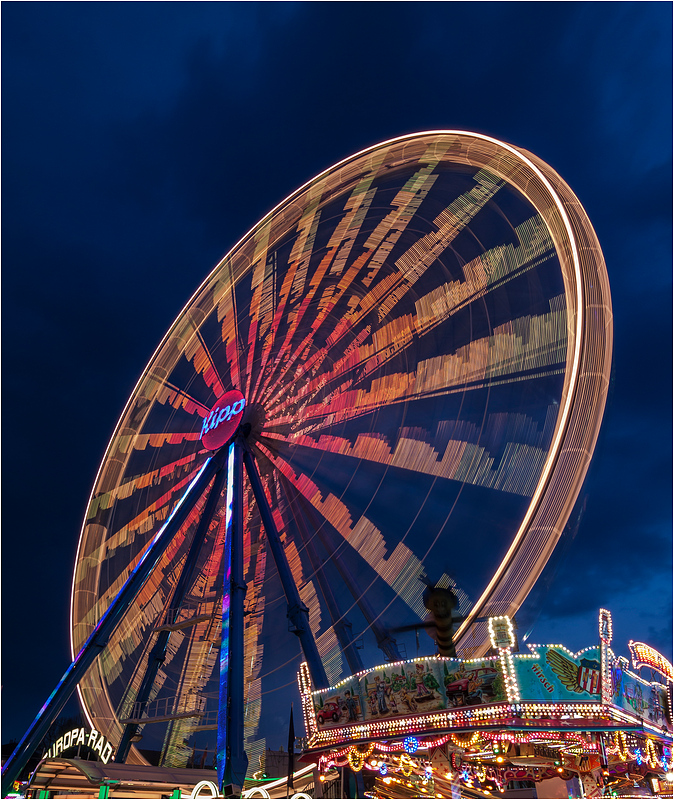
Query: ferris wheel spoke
[489,270]
[326,641]
[298,264]
[225,305]
[298,314]
[194,350]
[524,349]
[405,585]
[261,573]
[295,353]
[358,590]
[339,247]
[412,264]
[515,470]
[358,404]
[276,388]
[261,274]
[268,306]
[405,204]
[151,515]
[279,313]
[198,353]
[101,502]
[169,394]
[400,569]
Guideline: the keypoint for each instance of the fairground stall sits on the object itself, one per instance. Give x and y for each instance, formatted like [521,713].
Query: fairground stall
[545,723]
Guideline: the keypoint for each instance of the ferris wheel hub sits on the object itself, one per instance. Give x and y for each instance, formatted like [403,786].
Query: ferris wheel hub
[253,420]
[223,419]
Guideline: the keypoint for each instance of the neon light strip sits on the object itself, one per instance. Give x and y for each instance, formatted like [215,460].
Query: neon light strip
[223,695]
[498,626]
[526,714]
[645,656]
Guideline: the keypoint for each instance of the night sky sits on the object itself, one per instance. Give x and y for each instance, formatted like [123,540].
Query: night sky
[142,140]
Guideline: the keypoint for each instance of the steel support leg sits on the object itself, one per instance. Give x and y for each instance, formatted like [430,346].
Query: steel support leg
[106,625]
[158,654]
[340,624]
[298,613]
[232,761]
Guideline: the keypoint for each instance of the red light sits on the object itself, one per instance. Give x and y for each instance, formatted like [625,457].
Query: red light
[222,421]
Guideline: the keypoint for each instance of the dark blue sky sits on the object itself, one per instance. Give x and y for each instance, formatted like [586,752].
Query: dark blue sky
[142,140]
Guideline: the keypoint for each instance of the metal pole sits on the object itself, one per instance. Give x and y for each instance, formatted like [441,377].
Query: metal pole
[158,654]
[298,613]
[106,625]
[232,761]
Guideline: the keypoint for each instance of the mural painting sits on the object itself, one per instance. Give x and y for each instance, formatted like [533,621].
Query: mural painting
[637,696]
[471,683]
[557,674]
[340,706]
[406,689]
[400,690]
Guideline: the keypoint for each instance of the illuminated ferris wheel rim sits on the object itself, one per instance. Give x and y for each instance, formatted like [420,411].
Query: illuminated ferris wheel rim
[571,374]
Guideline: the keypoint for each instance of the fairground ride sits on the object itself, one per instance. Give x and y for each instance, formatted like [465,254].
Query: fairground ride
[559,723]
[410,356]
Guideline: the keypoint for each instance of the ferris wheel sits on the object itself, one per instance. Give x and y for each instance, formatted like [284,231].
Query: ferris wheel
[421,337]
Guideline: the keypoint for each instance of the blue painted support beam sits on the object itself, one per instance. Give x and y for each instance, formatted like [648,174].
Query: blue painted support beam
[340,624]
[106,625]
[158,654]
[232,761]
[298,613]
